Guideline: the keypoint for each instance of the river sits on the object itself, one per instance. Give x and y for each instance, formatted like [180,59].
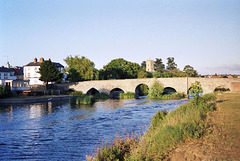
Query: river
[58,131]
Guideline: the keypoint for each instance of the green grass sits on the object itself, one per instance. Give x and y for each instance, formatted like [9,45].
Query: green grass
[101,96]
[166,131]
[128,95]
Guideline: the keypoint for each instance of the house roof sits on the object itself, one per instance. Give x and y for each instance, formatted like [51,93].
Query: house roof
[39,64]
[3,69]
[18,70]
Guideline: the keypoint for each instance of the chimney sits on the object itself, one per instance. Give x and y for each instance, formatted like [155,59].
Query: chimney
[35,60]
[41,60]
[8,65]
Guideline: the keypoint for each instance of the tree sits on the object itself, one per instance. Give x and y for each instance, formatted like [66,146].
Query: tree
[158,65]
[83,66]
[196,90]
[120,69]
[178,73]
[49,73]
[73,75]
[4,92]
[171,65]
[190,72]
[142,74]
[143,65]
[155,90]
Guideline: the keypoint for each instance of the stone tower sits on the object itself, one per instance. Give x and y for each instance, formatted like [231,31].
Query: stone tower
[149,65]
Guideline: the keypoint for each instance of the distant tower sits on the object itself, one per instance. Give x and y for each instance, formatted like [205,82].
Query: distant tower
[149,65]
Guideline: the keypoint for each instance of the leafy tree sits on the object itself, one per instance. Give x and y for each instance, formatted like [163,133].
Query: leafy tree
[178,73]
[158,65]
[73,75]
[155,90]
[189,70]
[120,69]
[196,90]
[84,67]
[49,73]
[142,74]
[160,74]
[171,65]
[4,92]
[143,65]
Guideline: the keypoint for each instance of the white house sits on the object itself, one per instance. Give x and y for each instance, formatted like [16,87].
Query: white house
[31,71]
[11,78]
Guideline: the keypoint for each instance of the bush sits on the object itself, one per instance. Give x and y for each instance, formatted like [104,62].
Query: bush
[160,115]
[4,92]
[210,97]
[155,90]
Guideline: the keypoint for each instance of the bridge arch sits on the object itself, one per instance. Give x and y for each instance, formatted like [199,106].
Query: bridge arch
[141,90]
[169,90]
[115,92]
[92,91]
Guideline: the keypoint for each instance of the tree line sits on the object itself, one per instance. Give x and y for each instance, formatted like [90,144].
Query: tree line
[82,69]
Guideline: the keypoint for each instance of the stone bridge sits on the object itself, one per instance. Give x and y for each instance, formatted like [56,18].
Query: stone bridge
[179,84]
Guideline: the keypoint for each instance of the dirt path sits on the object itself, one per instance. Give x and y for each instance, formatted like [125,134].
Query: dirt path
[223,139]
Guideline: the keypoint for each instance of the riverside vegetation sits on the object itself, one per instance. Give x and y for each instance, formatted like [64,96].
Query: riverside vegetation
[78,98]
[166,131]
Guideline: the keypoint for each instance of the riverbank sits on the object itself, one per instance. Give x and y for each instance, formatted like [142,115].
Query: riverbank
[167,130]
[222,142]
[25,100]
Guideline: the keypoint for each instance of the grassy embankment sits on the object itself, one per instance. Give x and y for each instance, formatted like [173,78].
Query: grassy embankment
[223,140]
[166,131]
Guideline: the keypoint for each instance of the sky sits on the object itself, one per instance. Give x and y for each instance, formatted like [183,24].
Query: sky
[203,34]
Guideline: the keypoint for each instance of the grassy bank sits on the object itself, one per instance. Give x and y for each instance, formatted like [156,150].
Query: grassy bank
[166,131]
[222,142]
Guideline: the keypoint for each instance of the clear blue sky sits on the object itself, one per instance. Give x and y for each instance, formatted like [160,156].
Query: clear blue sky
[203,34]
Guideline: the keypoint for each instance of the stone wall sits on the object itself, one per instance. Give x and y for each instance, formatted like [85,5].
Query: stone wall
[179,84]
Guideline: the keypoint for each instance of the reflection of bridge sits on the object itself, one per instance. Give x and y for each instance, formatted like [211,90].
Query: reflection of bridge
[179,84]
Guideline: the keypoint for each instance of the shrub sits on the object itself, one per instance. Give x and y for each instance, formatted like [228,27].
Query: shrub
[155,90]
[210,97]
[160,115]
[4,92]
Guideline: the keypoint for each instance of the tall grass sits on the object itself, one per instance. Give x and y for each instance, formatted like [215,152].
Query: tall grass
[166,131]
[101,96]
[128,95]
[78,98]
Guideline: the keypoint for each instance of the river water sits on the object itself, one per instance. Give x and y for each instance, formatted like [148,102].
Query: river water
[59,131]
